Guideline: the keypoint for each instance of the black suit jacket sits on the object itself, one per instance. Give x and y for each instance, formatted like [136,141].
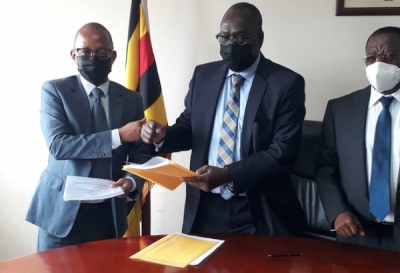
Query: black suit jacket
[341,171]
[270,141]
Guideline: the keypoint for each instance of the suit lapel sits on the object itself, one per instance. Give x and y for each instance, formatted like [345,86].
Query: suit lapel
[257,91]
[81,104]
[116,106]
[209,99]
[357,129]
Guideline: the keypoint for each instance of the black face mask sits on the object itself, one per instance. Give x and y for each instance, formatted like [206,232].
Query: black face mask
[93,69]
[237,57]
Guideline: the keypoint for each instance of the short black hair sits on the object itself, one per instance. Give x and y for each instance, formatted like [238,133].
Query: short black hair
[254,12]
[385,30]
[97,26]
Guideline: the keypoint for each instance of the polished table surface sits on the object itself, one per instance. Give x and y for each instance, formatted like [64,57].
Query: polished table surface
[239,253]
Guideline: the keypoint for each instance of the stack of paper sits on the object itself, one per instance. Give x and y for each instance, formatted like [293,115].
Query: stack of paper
[178,250]
[89,189]
[161,171]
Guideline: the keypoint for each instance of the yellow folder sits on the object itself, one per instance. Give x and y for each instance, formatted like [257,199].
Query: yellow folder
[177,250]
[160,171]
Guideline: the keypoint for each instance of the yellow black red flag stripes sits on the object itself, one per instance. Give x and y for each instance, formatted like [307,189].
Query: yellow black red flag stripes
[142,76]
[141,69]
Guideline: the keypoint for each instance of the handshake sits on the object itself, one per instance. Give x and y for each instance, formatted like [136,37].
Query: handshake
[149,131]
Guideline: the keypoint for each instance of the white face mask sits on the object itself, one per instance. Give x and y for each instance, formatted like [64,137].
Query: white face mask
[383,76]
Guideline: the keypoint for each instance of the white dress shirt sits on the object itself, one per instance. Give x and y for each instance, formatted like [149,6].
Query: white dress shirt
[374,109]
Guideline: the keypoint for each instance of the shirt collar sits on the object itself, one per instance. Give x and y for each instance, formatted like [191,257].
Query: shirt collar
[248,73]
[375,97]
[88,86]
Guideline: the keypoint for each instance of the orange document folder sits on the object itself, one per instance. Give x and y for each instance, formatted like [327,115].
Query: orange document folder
[160,171]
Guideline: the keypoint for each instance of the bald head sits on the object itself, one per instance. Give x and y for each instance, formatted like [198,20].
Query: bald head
[94,53]
[249,11]
[93,31]
[242,22]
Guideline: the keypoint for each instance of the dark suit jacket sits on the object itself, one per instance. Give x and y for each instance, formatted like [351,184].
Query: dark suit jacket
[270,141]
[341,171]
[67,127]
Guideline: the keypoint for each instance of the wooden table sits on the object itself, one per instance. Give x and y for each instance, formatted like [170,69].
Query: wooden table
[239,253]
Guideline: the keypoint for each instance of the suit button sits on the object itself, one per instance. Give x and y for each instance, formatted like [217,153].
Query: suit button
[94,155]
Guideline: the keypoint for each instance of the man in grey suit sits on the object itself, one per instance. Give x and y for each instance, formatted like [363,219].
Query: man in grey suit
[91,126]
[357,171]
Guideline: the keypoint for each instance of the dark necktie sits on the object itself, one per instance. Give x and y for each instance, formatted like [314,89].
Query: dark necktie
[227,142]
[100,166]
[379,188]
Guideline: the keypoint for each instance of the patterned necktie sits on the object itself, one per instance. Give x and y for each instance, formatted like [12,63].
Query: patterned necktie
[379,188]
[101,166]
[226,147]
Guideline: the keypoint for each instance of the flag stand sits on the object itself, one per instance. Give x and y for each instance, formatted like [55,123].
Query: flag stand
[146,215]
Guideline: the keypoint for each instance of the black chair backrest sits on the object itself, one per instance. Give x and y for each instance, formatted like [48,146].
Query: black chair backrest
[303,178]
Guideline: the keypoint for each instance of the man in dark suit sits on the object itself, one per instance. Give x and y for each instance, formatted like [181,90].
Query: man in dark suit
[243,121]
[358,161]
[91,126]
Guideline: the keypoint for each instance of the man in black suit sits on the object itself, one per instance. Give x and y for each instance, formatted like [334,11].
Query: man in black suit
[243,121]
[358,161]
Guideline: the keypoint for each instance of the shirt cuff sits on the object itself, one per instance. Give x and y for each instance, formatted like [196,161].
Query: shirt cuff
[159,145]
[115,139]
[133,182]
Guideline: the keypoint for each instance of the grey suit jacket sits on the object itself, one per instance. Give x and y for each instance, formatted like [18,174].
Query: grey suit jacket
[67,127]
[341,172]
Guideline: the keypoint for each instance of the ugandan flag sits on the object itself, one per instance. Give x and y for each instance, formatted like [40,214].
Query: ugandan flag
[142,76]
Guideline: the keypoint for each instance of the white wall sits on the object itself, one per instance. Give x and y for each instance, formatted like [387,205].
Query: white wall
[36,37]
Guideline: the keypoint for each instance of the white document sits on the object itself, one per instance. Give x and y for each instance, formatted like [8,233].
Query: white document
[207,253]
[155,162]
[88,189]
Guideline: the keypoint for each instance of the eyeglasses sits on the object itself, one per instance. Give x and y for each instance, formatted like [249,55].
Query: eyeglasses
[102,54]
[369,59]
[238,39]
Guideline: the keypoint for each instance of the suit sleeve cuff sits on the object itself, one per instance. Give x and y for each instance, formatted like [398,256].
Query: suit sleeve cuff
[159,145]
[133,183]
[115,139]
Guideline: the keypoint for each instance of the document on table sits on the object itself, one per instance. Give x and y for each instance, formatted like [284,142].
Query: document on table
[88,189]
[178,250]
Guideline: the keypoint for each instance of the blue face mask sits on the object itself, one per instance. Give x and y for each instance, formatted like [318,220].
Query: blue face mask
[237,57]
[93,69]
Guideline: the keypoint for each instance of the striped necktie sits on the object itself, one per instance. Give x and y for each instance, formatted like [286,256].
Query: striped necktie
[226,147]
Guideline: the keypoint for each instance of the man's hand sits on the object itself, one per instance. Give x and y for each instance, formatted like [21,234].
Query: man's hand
[153,132]
[347,225]
[126,184]
[209,178]
[131,131]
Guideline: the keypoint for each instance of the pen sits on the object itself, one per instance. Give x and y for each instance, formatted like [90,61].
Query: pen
[358,225]
[285,255]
